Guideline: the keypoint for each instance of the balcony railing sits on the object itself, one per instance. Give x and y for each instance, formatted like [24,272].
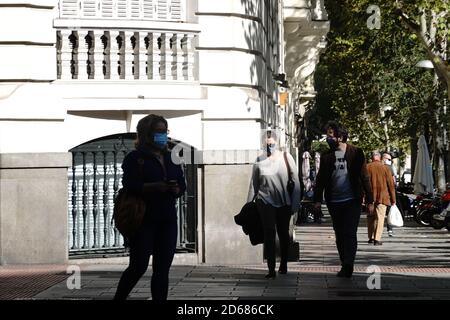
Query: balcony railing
[129,55]
[157,10]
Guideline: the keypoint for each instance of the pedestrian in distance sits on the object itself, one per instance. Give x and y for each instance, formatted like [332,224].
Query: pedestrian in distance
[383,191]
[160,182]
[387,160]
[275,203]
[344,179]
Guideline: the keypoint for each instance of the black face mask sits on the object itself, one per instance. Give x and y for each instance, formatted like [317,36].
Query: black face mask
[332,143]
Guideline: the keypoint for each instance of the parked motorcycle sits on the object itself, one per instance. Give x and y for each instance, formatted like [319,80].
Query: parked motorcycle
[424,208]
[406,199]
[447,219]
[440,211]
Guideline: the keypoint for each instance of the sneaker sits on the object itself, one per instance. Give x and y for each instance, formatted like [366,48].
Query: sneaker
[390,233]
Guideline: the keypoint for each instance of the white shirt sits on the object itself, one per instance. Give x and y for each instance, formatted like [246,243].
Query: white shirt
[270,179]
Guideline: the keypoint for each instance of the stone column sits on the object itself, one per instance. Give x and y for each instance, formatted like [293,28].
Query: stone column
[156,54]
[166,56]
[177,54]
[82,55]
[129,55]
[225,242]
[67,47]
[189,57]
[114,55]
[143,56]
[33,208]
[98,55]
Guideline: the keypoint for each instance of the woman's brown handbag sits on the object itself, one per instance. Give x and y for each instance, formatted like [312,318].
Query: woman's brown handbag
[129,209]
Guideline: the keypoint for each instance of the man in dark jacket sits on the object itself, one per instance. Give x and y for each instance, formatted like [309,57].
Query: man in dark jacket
[344,178]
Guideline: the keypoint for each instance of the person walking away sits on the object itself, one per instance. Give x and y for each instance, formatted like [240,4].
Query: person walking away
[275,204]
[383,191]
[160,182]
[344,179]
[387,160]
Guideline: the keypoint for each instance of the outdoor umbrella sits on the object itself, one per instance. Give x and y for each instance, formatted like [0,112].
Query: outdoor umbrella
[423,173]
[317,161]
[306,171]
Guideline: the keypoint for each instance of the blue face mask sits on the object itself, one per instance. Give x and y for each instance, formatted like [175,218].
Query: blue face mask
[160,140]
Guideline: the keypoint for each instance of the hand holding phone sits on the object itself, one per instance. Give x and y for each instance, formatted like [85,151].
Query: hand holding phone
[173,186]
[172,183]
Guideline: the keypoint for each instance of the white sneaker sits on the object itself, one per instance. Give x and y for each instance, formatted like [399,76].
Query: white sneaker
[390,233]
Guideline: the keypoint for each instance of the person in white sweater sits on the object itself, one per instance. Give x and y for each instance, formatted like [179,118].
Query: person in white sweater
[269,186]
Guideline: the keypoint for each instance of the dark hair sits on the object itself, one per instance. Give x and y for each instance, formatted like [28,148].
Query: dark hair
[340,131]
[146,127]
[269,133]
[272,134]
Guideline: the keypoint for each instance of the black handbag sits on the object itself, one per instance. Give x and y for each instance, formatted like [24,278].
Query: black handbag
[291,183]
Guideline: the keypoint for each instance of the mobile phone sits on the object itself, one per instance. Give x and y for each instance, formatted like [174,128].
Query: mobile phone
[172,183]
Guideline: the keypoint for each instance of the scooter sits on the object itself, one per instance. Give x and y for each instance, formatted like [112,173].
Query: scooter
[441,210]
[447,220]
[423,209]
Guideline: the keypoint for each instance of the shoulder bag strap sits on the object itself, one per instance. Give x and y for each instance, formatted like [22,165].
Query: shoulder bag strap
[287,166]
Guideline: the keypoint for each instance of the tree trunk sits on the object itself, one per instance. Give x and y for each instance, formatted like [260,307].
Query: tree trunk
[440,172]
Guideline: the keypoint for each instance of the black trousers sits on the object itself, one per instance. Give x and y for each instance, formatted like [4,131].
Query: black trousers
[159,240]
[345,217]
[275,220]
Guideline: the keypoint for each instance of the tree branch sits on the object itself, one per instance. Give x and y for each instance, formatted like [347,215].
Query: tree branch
[442,70]
[366,117]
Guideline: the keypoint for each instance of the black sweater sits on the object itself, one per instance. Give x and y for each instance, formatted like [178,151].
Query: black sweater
[160,207]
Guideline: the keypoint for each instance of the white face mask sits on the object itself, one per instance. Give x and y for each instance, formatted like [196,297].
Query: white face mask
[388,162]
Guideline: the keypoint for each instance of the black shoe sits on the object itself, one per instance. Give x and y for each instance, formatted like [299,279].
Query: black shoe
[377,243]
[270,275]
[345,272]
[371,241]
[282,270]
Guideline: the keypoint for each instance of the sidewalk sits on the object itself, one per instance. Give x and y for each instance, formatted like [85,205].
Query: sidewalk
[415,264]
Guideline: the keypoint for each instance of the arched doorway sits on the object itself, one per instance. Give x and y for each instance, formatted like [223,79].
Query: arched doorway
[94,180]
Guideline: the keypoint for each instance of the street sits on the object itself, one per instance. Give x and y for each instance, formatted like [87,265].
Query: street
[414,265]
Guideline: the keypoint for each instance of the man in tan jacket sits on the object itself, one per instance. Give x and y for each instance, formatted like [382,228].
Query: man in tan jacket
[383,191]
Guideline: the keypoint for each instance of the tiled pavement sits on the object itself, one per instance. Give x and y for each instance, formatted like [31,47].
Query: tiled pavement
[415,264]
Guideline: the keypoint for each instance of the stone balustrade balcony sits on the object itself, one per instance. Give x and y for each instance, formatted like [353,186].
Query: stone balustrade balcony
[120,54]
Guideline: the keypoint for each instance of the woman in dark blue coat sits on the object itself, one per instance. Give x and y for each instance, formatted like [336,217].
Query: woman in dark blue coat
[150,172]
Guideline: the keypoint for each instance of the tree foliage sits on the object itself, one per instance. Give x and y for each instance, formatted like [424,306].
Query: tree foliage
[368,77]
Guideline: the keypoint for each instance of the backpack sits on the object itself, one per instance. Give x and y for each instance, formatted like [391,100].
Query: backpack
[129,209]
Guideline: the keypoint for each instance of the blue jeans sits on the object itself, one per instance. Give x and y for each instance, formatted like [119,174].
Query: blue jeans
[345,217]
[159,240]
